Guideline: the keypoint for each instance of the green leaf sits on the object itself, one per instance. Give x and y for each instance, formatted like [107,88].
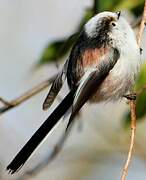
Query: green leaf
[56,50]
[141,80]
[141,105]
[50,52]
[128,4]
[141,99]
[138,10]
[106,5]
[136,6]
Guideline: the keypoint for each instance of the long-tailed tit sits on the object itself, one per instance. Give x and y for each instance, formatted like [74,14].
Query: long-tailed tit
[102,66]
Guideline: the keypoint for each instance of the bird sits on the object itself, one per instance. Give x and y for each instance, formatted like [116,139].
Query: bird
[102,67]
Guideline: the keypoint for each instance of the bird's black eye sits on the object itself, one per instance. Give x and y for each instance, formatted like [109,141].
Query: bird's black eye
[113,24]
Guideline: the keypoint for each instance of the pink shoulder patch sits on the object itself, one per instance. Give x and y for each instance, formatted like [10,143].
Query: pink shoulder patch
[91,57]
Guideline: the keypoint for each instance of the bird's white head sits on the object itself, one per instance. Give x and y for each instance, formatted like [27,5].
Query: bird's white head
[109,25]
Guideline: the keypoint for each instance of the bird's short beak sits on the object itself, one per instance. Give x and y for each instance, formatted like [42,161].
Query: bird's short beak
[118,13]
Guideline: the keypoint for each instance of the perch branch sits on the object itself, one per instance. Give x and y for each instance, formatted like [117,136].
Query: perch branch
[27,95]
[133,130]
[133,103]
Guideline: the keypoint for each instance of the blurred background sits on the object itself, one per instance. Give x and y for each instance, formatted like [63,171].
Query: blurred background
[35,39]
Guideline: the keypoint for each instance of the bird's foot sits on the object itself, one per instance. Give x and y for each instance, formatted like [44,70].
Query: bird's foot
[130,96]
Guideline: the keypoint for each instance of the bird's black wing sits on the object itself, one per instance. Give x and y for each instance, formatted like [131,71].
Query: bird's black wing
[90,85]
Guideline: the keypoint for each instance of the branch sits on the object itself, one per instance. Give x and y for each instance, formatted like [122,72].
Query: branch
[142,25]
[133,103]
[132,140]
[27,95]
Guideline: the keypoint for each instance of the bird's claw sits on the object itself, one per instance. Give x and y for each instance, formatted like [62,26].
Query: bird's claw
[130,96]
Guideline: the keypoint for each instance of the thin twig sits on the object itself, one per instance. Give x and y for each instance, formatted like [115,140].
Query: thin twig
[133,130]
[4,102]
[27,95]
[133,104]
[142,25]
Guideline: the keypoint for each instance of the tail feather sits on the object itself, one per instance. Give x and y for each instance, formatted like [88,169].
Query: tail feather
[41,133]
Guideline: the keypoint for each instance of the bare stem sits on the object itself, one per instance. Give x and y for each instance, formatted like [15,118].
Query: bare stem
[4,102]
[142,25]
[27,95]
[133,130]
[133,104]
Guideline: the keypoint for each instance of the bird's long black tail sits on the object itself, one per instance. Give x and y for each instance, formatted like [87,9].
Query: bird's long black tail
[41,133]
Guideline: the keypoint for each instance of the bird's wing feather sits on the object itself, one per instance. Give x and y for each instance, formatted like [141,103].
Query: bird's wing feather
[91,81]
[55,88]
[89,84]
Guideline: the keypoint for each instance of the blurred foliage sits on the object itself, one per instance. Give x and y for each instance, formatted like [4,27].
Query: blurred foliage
[56,50]
[130,5]
[141,98]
